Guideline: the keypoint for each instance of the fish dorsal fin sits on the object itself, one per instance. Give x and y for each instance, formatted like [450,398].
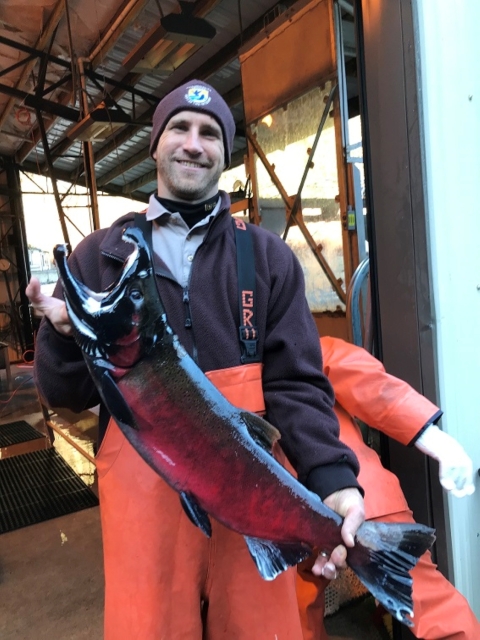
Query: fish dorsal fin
[196,515]
[272,558]
[264,434]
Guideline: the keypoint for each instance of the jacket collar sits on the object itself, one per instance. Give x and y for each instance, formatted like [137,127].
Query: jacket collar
[113,246]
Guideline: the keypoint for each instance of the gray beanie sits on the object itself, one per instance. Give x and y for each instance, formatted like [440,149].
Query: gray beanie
[194,96]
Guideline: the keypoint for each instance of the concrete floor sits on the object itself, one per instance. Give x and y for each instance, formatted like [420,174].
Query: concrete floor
[51,580]
[51,574]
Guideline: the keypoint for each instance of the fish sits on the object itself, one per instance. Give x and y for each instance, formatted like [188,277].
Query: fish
[216,456]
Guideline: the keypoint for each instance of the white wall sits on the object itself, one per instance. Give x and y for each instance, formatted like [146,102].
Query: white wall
[449,50]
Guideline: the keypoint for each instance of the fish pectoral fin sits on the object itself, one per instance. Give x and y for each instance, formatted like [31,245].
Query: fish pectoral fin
[272,558]
[264,434]
[196,515]
[115,402]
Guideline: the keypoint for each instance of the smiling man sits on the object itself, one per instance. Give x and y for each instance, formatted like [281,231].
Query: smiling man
[190,157]
[164,578]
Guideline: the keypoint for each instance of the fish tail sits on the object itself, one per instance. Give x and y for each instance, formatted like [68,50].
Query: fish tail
[382,557]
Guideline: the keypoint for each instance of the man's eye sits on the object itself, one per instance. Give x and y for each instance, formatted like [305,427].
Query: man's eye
[209,133]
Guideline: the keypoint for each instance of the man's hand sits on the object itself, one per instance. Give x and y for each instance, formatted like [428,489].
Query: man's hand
[456,467]
[53,308]
[349,504]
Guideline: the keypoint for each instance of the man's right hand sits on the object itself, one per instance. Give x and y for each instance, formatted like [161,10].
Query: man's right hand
[53,308]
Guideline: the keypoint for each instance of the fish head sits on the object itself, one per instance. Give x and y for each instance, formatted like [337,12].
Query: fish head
[118,326]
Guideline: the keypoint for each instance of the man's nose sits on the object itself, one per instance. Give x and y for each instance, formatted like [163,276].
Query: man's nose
[193,142]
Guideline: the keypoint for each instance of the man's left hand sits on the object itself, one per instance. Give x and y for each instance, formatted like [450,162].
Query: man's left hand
[349,504]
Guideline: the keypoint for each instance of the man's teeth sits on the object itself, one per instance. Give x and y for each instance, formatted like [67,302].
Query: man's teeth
[186,163]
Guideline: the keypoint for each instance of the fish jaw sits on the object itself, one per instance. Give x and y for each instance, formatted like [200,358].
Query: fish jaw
[120,325]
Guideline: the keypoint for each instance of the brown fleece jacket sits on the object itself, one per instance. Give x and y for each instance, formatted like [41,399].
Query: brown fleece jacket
[298,396]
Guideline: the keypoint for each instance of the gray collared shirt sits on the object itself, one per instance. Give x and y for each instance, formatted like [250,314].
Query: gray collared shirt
[173,241]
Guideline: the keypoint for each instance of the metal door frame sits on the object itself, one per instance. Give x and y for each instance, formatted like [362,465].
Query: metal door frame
[403,312]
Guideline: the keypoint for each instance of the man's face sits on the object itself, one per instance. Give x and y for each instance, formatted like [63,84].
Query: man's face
[190,157]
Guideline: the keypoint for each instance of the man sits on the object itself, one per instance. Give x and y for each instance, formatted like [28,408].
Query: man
[164,578]
[363,389]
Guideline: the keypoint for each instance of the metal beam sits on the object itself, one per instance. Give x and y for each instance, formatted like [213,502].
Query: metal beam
[316,249]
[50,27]
[225,55]
[138,183]
[90,73]
[124,166]
[61,214]
[202,7]
[116,29]
[49,106]
[127,15]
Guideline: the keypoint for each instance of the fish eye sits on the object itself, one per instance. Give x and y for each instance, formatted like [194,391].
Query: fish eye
[136,295]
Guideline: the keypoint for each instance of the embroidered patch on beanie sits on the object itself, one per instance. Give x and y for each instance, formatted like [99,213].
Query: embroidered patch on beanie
[198,95]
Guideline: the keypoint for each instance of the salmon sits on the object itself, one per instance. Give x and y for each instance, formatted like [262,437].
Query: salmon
[216,456]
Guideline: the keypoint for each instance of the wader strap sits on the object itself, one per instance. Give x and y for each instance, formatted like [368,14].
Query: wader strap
[248,332]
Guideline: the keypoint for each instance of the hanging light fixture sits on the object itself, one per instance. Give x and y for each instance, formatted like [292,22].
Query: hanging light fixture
[169,44]
[185,27]
[99,124]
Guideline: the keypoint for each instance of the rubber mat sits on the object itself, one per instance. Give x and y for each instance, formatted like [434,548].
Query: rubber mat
[38,486]
[16,432]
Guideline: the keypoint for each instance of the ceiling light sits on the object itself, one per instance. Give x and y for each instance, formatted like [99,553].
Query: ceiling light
[99,124]
[183,27]
[168,45]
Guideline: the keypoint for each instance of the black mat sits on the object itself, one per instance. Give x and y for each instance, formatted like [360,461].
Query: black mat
[39,486]
[16,432]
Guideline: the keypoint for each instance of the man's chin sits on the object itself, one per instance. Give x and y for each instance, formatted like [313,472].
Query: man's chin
[191,191]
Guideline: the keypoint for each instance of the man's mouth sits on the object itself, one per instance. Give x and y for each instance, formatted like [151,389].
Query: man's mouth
[192,165]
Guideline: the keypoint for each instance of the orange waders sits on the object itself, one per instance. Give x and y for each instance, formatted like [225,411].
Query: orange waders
[165,580]
[440,611]
[363,389]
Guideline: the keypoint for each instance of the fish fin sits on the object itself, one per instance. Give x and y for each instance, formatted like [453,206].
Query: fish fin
[196,515]
[382,557]
[116,404]
[272,558]
[264,434]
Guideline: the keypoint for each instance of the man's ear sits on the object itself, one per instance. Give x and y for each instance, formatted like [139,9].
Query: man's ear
[154,155]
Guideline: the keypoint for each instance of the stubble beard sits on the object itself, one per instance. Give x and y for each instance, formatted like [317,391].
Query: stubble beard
[182,188]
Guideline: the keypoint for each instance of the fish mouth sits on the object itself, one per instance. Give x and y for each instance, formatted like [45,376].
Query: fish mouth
[118,325]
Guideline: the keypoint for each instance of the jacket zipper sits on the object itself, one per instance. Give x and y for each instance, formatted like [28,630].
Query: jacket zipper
[186,297]
[188,321]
